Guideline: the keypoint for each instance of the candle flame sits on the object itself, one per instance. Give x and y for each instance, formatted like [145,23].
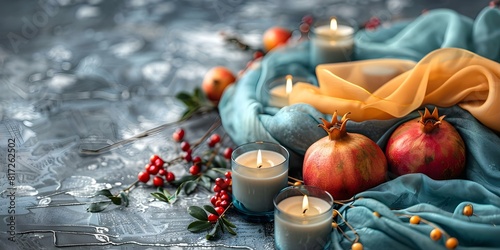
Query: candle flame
[305,204]
[259,159]
[289,84]
[333,24]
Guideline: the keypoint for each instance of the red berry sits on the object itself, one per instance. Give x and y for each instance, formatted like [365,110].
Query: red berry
[162,172]
[153,159]
[225,197]
[214,199]
[222,192]
[227,153]
[143,176]
[185,146]
[159,162]
[170,177]
[228,182]
[219,210]
[215,138]
[218,202]
[219,181]
[213,218]
[178,134]
[228,174]
[224,203]
[153,169]
[158,181]
[195,169]
[307,19]
[258,54]
[217,188]
[188,157]
[196,159]
[211,144]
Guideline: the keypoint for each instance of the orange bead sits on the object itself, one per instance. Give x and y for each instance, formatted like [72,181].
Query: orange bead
[376,214]
[335,212]
[334,225]
[451,243]
[297,183]
[357,246]
[468,210]
[435,234]
[415,219]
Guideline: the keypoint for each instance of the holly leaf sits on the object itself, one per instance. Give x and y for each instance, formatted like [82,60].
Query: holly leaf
[198,226]
[198,213]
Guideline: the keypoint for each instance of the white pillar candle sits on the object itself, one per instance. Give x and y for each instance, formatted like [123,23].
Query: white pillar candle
[279,94]
[303,221]
[280,89]
[257,179]
[332,43]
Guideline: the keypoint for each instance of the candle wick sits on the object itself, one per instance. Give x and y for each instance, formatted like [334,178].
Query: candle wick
[259,166]
[304,211]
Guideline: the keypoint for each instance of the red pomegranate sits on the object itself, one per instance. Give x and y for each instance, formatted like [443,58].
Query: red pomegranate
[343,163]
[428,145]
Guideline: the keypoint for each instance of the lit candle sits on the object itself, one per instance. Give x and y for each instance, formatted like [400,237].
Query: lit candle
[279,94]
[332,43]
[303,218]
[259,172]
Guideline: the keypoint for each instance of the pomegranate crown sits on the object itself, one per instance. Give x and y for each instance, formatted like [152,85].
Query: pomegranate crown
[430,121]
[336,129]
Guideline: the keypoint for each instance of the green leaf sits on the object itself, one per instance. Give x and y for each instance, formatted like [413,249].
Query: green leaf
[227,222]
[198,226]
[205,182]
[116,200]
[97,207]
[183,179]
[104,192]
[164,191]
[212,235]
[124,198]
[160,196]
[210,209]
[187,99]
[198,213]
[199,94]
[189,187]
[229,229]
[213,174]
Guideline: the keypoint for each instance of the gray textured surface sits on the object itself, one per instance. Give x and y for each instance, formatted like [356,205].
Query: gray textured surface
[79,74]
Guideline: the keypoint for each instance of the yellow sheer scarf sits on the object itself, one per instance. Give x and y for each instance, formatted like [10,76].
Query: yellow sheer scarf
[387,88]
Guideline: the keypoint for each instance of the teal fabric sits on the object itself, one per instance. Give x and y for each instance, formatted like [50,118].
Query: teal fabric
[246,117]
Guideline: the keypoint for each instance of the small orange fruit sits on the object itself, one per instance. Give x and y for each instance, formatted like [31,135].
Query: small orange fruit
[215,81]
[275,37]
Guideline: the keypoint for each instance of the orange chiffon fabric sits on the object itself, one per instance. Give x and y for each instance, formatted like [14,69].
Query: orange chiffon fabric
[387,88]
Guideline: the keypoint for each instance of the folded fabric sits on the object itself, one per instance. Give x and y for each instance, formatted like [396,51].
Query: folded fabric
[387,88]
[439,202]
[463,84]
[440,28]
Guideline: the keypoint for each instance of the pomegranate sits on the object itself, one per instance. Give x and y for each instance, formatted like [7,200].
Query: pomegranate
[428,145]
[343,163]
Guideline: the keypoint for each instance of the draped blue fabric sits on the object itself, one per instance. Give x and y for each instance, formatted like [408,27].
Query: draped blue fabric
[246,117]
